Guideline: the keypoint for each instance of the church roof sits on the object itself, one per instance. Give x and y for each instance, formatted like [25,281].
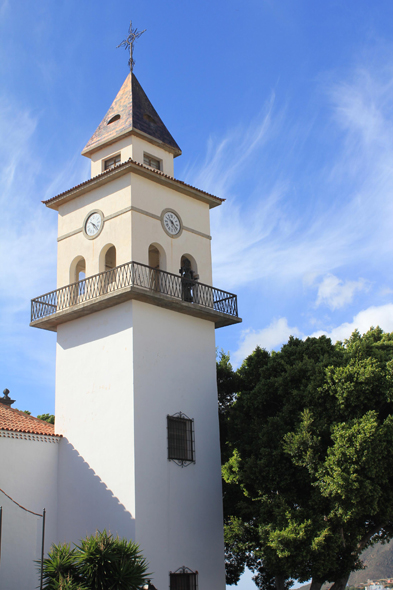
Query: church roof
[16,421]
[131,111]
[133,166]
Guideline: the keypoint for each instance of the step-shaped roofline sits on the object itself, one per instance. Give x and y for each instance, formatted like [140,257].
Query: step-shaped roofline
[137,168]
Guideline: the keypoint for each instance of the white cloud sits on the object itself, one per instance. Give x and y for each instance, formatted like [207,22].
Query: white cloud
[271,337]
[29,230]
[336,293]
[381,316]
[345,212]
[278,332]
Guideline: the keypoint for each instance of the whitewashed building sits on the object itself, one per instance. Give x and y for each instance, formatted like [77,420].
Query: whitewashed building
[135,447]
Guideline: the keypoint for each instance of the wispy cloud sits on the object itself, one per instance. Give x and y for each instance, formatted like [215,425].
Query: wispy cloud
[336,293]
[271,337]
[28,250]
[345,205]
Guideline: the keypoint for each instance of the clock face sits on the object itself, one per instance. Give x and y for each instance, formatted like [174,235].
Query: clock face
[93,224]
[171,223]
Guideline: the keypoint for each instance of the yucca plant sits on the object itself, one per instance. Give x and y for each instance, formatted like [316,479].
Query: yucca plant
[60,568]
[108,563]
[99,562]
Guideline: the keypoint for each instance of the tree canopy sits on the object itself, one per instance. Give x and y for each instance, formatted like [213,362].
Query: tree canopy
[309,460]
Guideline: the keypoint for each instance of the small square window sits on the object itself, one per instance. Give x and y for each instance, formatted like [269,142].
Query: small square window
[183,579]
[152,162]
[180,439]
[112,162]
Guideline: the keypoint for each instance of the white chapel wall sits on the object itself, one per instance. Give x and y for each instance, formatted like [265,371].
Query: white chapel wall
[94,412]
[111,199]
[154,198]
[28,473]
[178,510]
[131,147]
[131,232]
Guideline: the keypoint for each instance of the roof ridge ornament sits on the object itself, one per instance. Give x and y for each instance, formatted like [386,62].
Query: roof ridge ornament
[128,44]
[6,400]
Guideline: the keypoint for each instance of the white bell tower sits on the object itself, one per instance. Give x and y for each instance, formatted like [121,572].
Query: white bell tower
[135,313]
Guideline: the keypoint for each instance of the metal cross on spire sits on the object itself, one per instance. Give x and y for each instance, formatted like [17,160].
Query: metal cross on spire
[128,43]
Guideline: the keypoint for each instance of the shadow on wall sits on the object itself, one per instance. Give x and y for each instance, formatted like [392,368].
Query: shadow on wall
[20,547]
[113,320]
[85,504]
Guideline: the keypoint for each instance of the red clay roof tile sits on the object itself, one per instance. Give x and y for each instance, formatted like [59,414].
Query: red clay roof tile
[123,164]
[16,421]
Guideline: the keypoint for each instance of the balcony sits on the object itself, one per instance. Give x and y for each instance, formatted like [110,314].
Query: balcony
[134,281]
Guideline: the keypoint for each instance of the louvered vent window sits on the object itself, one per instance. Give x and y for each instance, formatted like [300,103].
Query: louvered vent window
[112,162]
[152,162]
[181,439]
[183,579]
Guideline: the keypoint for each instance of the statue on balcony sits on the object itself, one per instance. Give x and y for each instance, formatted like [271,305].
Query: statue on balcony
[187,280]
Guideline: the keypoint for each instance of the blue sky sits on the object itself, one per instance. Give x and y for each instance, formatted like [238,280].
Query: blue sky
[284,108]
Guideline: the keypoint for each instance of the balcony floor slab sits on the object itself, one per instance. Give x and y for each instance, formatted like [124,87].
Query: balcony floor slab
[110,299]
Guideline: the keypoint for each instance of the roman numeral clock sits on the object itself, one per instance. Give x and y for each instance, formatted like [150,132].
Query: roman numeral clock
[135,314]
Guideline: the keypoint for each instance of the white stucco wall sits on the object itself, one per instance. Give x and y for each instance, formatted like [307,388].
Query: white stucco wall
[28,473]
[131,147]
[119,373]
[178,510]
[94,412]
[132,231]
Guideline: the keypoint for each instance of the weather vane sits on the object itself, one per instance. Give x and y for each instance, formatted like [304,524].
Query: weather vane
[133,35]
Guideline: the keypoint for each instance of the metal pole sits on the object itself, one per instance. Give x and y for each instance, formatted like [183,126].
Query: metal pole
[1,522]
[42,548]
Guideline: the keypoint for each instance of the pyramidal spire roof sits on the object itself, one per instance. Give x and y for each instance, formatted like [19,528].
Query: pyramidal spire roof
[131,112]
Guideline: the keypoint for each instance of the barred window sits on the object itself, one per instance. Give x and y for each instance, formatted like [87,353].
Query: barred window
[112,162]
[180,439]
[183,579]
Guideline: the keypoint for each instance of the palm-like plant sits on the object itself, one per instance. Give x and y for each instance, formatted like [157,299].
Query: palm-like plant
[108,563]
[60,567]
[99,562]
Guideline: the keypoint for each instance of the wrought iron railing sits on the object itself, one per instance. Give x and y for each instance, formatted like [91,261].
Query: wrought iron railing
[138,275]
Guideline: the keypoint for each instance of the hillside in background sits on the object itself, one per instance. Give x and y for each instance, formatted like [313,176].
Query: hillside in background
[379,564]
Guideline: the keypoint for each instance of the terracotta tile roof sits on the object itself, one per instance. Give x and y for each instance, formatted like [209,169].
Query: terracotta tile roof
[16,421]
[111,171]
[131,110]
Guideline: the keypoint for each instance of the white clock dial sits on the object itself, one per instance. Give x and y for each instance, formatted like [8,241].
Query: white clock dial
[93,224]
[172,223]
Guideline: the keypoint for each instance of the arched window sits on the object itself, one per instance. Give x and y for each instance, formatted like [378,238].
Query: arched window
[192,261]
[110,258]
[154,257]
[77,269]
[157,262]
[77,276]
[107,265]
[189,277]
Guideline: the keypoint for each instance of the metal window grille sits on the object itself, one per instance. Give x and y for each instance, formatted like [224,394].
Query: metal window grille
[112,162]
[180,439]
[183,579]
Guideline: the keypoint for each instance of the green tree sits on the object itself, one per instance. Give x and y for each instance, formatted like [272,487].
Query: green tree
[47,418]
[99,562]
[311,439]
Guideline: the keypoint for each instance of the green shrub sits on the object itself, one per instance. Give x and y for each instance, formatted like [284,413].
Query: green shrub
[99,562]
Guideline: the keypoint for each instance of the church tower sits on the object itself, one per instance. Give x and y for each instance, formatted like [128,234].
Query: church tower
[135,312]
